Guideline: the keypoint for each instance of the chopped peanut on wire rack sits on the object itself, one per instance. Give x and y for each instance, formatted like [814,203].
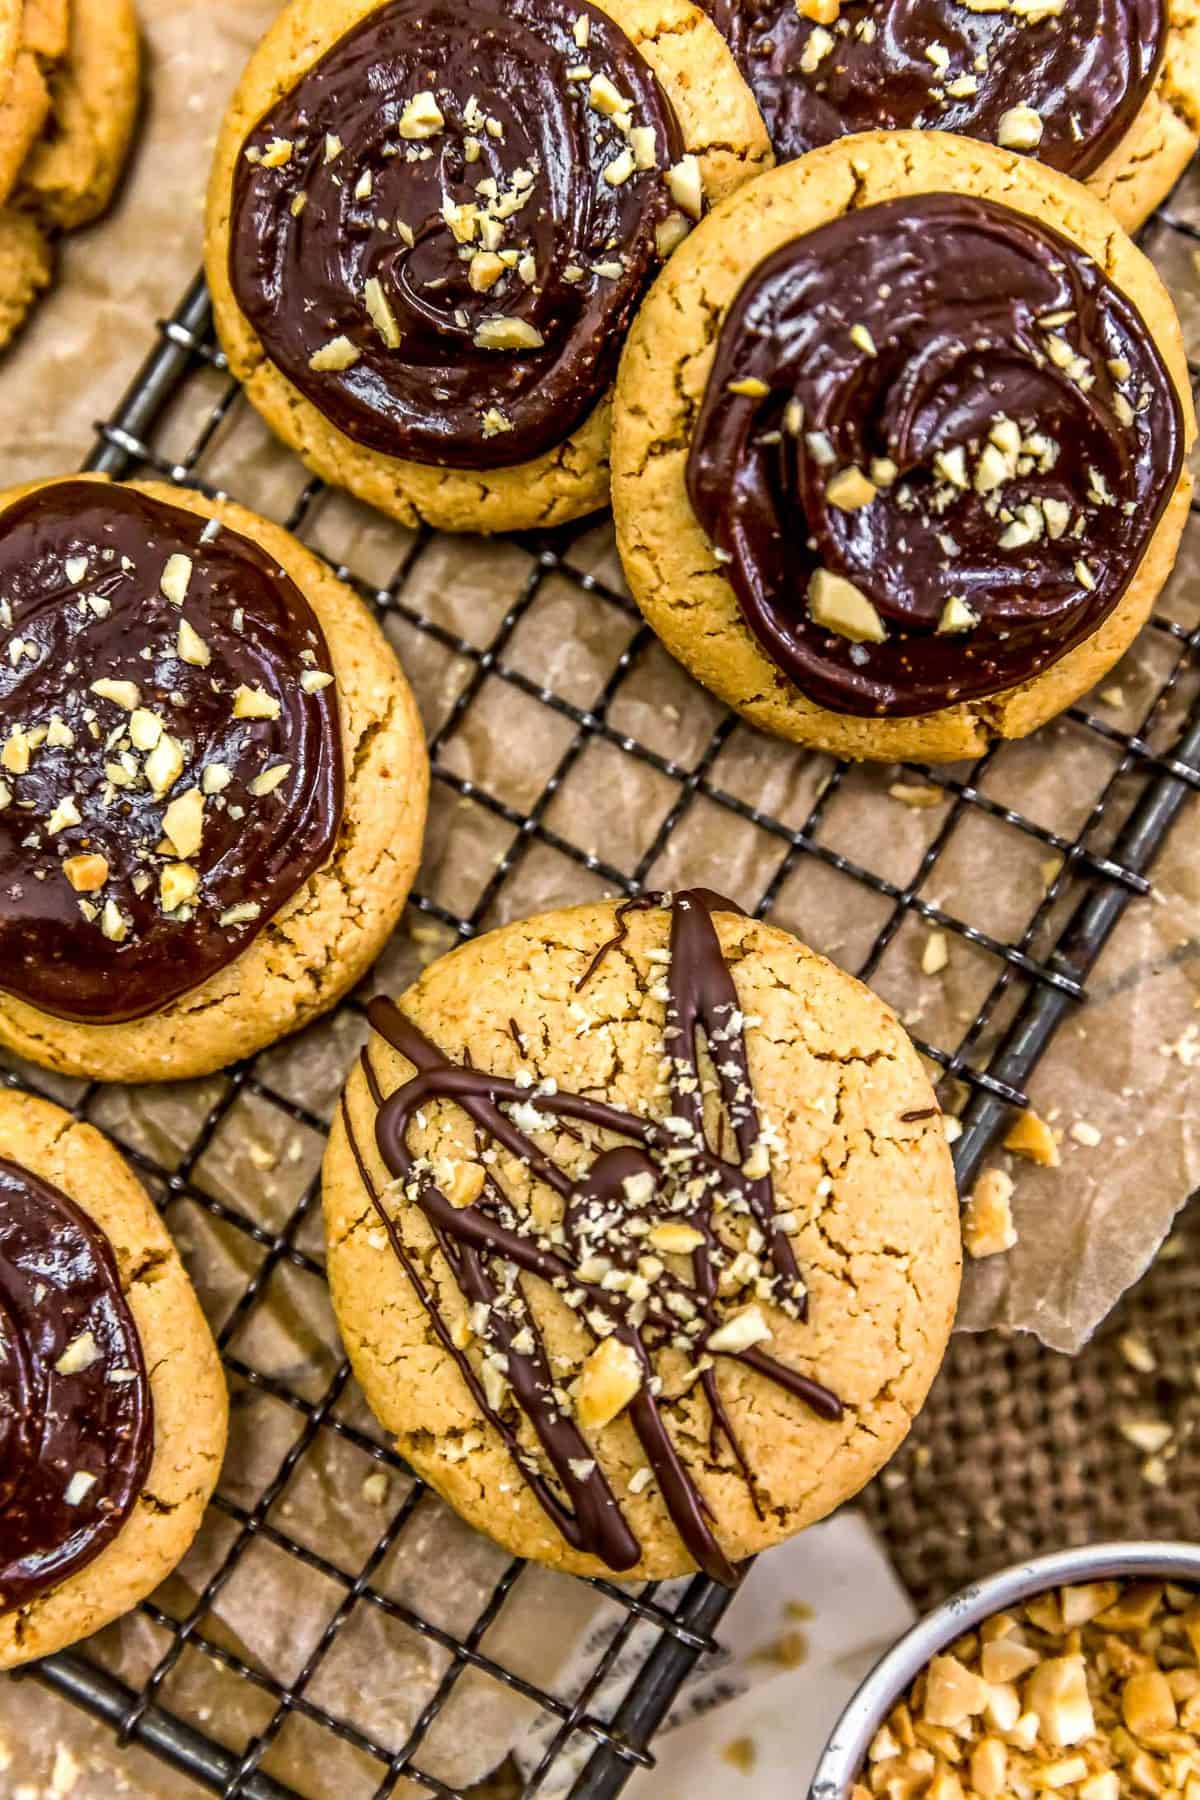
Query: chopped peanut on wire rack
[1090,1692]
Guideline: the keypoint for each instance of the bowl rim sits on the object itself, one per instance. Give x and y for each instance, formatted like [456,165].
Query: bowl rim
[844,1754]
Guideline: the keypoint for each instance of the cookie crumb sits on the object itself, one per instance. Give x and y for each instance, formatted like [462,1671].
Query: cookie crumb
[741,1754]
[375,1488]
[1186,1048]
[64,1774]
[917,796]
[788,1651]
[988,1227]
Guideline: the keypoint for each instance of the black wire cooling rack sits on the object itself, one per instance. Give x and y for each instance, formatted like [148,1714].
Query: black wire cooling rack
[1141,773]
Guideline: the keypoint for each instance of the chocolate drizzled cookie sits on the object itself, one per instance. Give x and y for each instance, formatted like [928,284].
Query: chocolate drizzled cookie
[617,1297]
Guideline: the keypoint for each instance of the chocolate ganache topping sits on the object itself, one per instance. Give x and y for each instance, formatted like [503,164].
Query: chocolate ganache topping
[170,749]
[76,1416]
[441,233]
[934,445]
[1064,78]
[665,1185]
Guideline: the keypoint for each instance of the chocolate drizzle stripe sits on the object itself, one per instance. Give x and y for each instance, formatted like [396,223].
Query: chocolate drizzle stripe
[595,1518]
[662,1170]
[1076,73]
[76,1412]
[934,446]
[168,781]
[441,233]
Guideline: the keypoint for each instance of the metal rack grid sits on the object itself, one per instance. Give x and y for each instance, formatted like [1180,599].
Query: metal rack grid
[1038,974]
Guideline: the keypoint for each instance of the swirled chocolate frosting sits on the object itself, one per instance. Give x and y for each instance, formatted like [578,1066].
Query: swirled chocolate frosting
[170,749]
[935,443]
[1062,78]
[441,232]
[718,1198]
[76,1417]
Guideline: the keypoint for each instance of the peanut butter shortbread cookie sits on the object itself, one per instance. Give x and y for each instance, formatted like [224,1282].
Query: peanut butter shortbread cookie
[899,459]
[642,1234]
[429,226]
[114,1401]
[68,104]
[212,782]
[1105,90]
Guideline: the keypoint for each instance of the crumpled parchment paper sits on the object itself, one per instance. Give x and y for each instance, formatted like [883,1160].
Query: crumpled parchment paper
[1122,1069]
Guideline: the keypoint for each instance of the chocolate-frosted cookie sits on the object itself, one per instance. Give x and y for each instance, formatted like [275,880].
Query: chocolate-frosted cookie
[70,73]
[1104,90]
[642,1234]
[430,225]
[212,782]
[114,1407]
[900,448]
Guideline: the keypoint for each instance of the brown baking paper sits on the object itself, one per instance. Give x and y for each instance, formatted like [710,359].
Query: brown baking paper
[1117,1083]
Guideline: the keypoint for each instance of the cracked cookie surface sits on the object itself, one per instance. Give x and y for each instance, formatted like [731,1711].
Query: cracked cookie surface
[849,1142]
[673,569]
[1165,134]
[720,127]
[184,1372]
[325,936]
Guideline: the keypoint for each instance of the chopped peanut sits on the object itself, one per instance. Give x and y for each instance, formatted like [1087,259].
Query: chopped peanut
[840,607]
[1148,1705]
[1089,1692]
[953,1694]
[1057,1692]
[608,1381]
[461,1182]
[1030,1136]
[86,874]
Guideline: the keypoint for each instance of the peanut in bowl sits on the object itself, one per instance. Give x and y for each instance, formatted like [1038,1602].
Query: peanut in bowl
[1072,1677]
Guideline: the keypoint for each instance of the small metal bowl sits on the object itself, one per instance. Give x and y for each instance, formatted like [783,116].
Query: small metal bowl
[846,1752]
